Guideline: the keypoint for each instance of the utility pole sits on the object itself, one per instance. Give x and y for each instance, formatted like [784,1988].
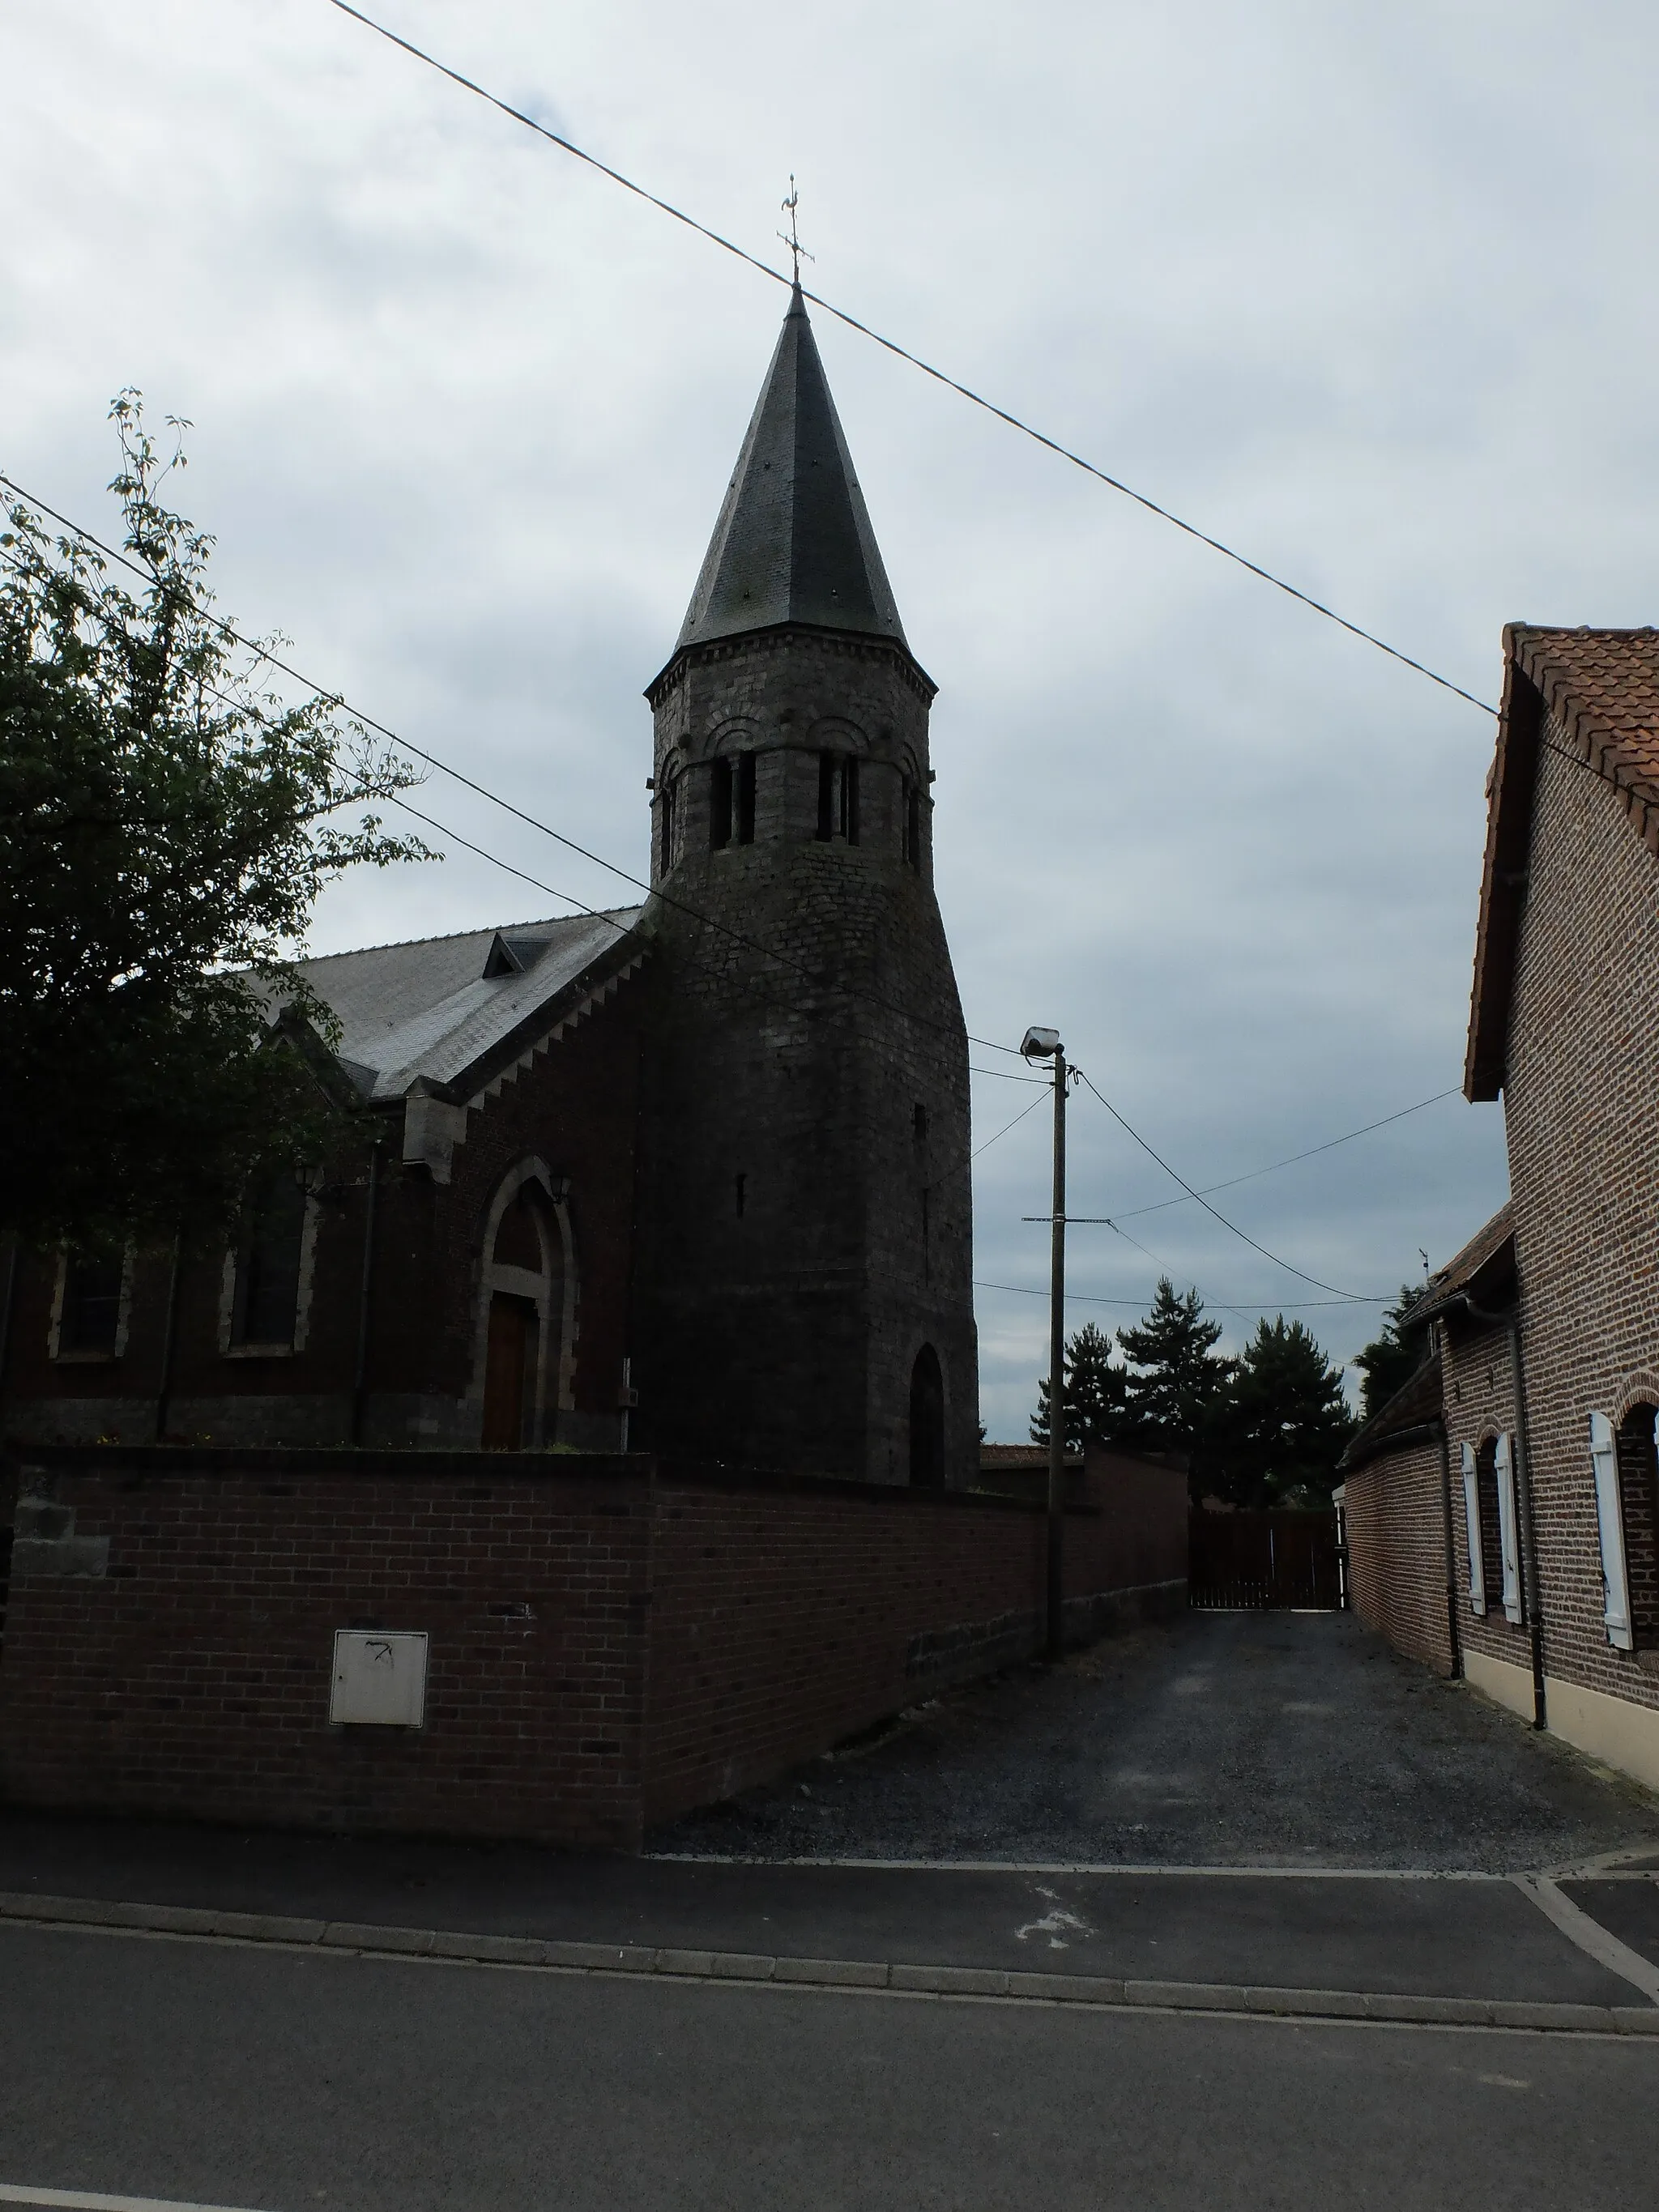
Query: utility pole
[1045,1044]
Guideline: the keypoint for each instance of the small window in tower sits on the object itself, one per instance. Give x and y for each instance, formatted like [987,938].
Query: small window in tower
[666,803]
[743,829]
[918,1123]
[911,832]
[838,797]
[719,805]
[737,1183]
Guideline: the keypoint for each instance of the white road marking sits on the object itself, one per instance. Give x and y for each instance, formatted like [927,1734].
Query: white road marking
[1052,1922]
[1591,1937]
[84,2200]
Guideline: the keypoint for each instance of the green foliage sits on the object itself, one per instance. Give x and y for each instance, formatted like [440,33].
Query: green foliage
[1097,1389]
[1395,1354]
[1176,1376]
[1283,1423]
[166,824]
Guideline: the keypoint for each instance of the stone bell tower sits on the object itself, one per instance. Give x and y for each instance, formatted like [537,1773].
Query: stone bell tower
[803,1298]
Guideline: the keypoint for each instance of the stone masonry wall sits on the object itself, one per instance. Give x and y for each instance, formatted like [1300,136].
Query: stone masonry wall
[1582,1114]
[805,1215]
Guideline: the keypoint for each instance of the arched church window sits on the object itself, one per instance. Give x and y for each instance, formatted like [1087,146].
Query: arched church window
[89,1317]
[838,797]
[265,1308]
[667,813]
[927,1421]
[525,1323]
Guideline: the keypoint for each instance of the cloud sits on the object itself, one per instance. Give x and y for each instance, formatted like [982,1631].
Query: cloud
[1354,289]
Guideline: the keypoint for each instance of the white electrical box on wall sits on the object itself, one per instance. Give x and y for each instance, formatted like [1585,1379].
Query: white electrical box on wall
[379,1679]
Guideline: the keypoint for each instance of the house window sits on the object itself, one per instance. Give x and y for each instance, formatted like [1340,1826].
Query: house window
[89,1321]
[910,826]
[266,1306]
[1639,1499]
[838,797]
[1493,1528]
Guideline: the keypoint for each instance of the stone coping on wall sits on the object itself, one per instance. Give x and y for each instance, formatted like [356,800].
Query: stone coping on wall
[343,1463]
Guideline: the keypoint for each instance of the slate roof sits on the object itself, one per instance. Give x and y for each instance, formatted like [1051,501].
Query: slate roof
[1601,688]
[1417,1402]
[794,542]
[428,1010]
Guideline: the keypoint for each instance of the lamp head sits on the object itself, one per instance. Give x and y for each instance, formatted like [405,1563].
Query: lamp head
[1040,1044]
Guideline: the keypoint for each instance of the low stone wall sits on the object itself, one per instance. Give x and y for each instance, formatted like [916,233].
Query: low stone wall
[610,1641]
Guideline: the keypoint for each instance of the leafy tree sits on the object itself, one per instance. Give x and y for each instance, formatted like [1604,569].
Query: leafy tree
[1175,1375]
[1097,1389]
[1280,1429]
[166,824]
[1395,1354]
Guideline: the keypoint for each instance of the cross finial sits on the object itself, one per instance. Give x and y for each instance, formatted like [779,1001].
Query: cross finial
[791,236]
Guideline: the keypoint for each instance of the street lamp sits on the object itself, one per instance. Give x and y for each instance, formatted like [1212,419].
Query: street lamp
[1045,1044]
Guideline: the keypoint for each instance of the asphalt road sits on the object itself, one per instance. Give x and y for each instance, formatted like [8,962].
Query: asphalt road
[234,2075]
[1220,1739]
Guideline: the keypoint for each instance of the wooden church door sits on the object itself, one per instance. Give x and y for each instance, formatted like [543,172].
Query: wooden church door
[509,1371]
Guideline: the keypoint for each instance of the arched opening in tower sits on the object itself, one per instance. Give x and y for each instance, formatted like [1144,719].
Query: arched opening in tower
[927,1421]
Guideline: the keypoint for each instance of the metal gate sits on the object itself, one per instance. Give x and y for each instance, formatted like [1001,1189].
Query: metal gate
[1262,1562]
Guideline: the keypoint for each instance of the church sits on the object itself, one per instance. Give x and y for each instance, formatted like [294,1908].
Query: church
[689,1178]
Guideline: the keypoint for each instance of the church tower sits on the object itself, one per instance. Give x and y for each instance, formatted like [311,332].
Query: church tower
[804,1299]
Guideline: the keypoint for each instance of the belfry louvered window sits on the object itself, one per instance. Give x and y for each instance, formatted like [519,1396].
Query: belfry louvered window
[838,797]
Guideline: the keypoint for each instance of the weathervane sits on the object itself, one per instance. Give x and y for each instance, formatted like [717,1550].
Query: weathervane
[791,236]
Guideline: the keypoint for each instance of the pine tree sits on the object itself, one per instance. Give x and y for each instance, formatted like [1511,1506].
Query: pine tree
[1395,1354]
[1175,1375]
[1096,1389]
[1281,1428]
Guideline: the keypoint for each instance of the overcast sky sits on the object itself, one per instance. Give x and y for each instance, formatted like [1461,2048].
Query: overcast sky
[1365,290]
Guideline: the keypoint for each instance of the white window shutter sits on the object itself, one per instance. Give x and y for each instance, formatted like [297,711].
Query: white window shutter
[1604,1458]
[1471,1515]
[1507,1527]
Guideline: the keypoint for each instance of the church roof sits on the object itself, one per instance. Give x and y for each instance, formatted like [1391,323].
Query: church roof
[794,542]
[449,1009]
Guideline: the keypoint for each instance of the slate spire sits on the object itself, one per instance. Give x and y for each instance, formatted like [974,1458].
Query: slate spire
[794,542]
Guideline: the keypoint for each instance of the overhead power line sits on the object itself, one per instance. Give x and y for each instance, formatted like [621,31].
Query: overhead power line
[1355,1297]
[444,768]
[1227,1305]
[1162,1205]
[891,345]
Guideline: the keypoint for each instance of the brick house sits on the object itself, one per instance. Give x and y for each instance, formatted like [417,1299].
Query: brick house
[1546,1328]
[692,1175]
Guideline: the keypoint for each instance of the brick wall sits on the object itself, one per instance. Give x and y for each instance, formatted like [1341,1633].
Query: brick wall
[192,1677]
[1396,1552]
[1580,1109]
[608,1646]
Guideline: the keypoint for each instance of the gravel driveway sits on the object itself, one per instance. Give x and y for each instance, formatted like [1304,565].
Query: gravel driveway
[1220,1739]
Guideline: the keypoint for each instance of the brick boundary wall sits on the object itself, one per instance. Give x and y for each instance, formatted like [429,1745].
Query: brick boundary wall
[611,1643]
[1395,1527]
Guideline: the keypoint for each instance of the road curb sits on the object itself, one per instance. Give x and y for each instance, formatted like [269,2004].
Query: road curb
[680,1963]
